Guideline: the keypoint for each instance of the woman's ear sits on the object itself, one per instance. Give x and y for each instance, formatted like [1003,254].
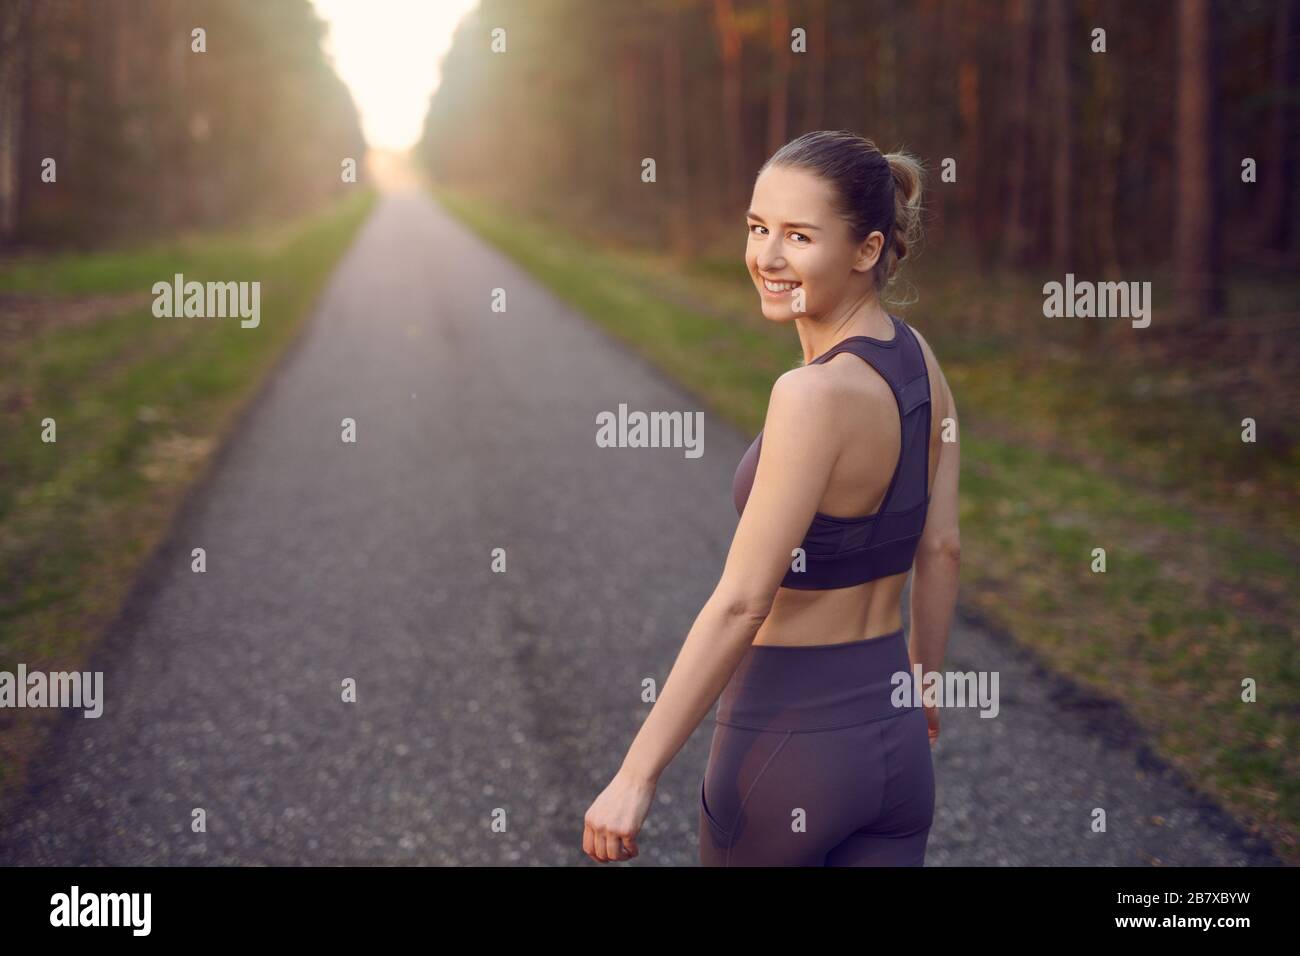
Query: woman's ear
[869,252]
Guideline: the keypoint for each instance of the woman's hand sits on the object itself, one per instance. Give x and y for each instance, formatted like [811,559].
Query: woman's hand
[614,819]
[932,719]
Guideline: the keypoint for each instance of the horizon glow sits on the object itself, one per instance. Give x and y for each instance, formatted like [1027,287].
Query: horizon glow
[388,53]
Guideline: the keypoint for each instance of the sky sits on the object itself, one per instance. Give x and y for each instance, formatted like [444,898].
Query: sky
[387,52]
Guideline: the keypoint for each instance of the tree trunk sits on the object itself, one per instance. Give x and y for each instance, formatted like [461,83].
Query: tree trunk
[1197,231]
[675,134]
[816,57]
[1110,80]
[883,73]
[28,148]
[778,107]
[15,36]
[724,21]
[1277,170]
[629,112]
[1016,235]
[968,109]
[1060,44]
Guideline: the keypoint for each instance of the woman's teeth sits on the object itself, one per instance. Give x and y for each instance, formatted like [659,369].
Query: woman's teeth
[780,286]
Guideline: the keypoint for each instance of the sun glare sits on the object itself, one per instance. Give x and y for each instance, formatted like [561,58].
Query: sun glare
[387,52]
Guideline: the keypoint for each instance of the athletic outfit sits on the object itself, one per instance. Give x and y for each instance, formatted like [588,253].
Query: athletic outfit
[812,761]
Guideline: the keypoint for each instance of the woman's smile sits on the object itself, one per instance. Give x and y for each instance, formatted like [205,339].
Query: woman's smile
[779,288]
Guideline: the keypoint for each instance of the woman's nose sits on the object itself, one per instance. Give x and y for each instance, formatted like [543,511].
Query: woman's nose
[770,258]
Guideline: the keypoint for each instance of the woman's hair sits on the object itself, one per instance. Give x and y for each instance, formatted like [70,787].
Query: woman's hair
[874,191]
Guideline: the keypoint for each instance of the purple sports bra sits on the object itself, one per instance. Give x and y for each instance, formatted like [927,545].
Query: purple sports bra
[842,552]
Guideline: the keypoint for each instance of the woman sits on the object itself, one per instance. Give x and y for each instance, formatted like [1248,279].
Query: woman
[816,760]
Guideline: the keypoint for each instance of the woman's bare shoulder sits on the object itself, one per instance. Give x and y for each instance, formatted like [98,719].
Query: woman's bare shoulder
[942,394]
[806,390]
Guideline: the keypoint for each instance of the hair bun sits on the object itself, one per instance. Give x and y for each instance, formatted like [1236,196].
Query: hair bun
[907,175]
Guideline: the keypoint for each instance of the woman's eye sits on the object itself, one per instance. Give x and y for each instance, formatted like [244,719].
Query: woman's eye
[798,235]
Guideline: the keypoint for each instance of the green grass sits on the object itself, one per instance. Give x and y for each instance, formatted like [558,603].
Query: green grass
[139,404]
[1067,447]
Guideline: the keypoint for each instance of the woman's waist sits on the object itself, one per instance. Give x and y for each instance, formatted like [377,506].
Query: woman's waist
[835,615]
[819,686]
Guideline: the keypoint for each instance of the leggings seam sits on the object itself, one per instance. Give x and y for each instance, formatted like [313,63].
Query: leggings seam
[880,804]
[726,860]
[880,809]
[885,752]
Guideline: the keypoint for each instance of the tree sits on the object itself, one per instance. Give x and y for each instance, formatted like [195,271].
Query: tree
[1198,227]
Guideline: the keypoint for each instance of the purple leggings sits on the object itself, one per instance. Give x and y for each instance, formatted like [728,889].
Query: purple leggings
[813,764]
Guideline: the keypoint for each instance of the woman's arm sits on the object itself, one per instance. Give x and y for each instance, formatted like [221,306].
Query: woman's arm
[793,470]
[938,554]
[792,474]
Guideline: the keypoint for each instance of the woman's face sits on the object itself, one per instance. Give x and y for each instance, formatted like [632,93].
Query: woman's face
[800,254]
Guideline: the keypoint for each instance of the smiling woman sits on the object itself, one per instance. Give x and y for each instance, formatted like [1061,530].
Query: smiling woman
[803,634]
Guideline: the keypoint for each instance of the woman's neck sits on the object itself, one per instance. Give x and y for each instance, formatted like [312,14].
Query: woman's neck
[862,317]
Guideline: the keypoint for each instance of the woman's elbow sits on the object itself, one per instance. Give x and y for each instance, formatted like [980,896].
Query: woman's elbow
[945,548]
[744,605]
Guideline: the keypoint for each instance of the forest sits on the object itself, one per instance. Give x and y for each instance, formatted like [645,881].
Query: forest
[150,129]
[1089,136]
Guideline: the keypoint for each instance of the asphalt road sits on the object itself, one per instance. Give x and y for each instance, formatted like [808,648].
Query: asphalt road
[481,696]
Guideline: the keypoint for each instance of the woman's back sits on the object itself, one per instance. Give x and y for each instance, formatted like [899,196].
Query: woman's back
[867,432]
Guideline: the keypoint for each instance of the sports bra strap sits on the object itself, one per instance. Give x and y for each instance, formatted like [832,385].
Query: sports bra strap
[901,363]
